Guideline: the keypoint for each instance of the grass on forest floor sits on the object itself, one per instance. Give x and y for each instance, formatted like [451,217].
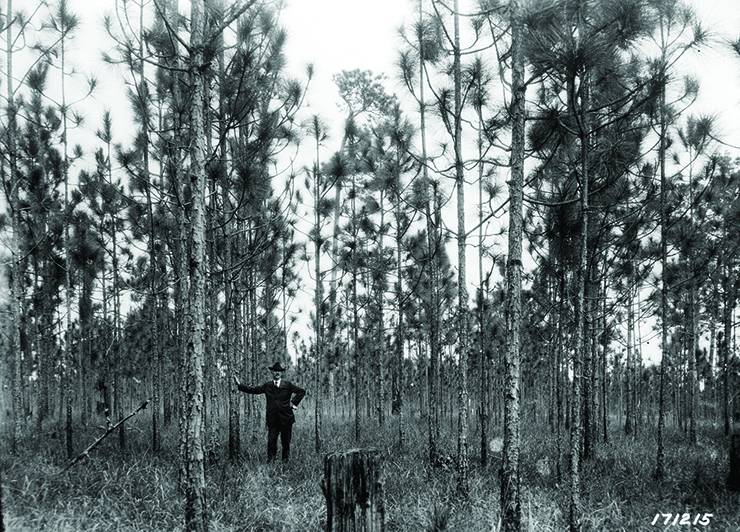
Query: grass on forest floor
[138,491]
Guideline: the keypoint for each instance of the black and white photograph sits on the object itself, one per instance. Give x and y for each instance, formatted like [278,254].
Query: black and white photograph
[369,265]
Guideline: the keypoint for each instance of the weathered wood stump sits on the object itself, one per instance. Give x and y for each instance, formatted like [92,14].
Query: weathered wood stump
[354,491]
[733,479]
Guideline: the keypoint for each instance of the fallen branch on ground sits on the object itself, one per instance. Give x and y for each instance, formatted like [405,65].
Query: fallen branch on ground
[112,428]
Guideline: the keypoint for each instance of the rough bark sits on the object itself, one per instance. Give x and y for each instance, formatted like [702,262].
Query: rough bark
[580,342]
[194,485]
[587,374]
[510,492]
[232,308]
[154,308]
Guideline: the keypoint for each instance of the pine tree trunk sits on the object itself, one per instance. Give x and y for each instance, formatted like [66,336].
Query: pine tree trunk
[727,320]
[154,309]
[640,387]
[559,373]
[232,307]
[16,294]
[580,343]
[380,326]
[117,412]
[318,294]
[604,385]
[586,384]
[594,395]
[462,303]
[630,374]
[357,367]
[68,358]
[432,249]
[211,421]
[194,486]
[691,354]
[510,495]
[693,377]
[662,133]
[483,398]
[398,381]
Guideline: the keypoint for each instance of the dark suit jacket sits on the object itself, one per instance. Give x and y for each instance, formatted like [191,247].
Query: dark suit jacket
[278,411]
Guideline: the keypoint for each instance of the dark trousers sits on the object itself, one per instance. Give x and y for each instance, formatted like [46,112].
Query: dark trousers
[285,432]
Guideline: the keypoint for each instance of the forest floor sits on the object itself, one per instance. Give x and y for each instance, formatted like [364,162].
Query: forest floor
[138,491]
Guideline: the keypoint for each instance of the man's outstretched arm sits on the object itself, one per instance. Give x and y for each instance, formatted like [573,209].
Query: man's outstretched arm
[249,389]
[298,394]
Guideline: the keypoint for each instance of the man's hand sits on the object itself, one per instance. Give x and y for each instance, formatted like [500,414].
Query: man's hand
[294,407]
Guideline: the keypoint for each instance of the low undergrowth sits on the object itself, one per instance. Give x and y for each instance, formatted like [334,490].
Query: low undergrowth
[136,490]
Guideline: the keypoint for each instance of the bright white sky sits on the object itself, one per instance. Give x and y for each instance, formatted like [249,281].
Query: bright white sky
[338,35]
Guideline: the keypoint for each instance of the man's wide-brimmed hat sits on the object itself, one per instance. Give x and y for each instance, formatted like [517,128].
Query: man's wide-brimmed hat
[276,367]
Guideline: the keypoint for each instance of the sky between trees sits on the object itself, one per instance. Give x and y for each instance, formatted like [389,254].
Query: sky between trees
[336,35]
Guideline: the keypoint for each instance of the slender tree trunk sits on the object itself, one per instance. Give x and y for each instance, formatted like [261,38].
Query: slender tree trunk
[432,248]
[182,284]
[211,421]
[483,398]
[462,319]
[510,493]
[580,344]
[16,295]
[398,383]
[604,385]
[380,326]
[660,456]
[711,316]
[357,370]
[68,358]
[196,518]
[630,374]
[587,375]
[154,310]
[232,294]
[729,308]
[693,377]
[318,294]
[117,412]
[639,366]
[559,372]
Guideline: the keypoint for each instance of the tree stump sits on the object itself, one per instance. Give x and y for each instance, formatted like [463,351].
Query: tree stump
[733,479]
[353,491]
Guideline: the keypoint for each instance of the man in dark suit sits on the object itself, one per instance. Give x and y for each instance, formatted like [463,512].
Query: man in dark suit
[282,397]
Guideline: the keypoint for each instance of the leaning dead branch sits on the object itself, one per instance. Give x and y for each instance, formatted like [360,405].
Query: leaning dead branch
[111,428]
